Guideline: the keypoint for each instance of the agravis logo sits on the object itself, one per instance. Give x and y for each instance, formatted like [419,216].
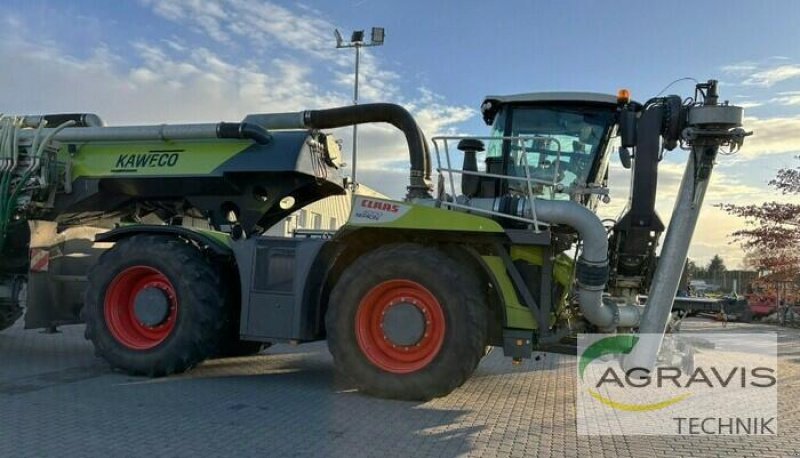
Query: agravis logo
[702,383]
[618,345]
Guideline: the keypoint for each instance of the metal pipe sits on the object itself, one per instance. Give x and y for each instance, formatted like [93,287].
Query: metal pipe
[355,126]
[673,257]
[163,132]
[709,126]
[592,267]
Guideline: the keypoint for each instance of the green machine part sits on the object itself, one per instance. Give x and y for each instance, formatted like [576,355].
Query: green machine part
[387,214]
[105,159]
[518,316]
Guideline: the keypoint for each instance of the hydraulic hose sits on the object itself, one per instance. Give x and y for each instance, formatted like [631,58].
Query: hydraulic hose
[243,130]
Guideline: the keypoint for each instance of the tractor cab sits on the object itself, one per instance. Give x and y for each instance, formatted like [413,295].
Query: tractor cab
[557,141]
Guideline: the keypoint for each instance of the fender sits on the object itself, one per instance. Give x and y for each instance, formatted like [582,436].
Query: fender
[217,242]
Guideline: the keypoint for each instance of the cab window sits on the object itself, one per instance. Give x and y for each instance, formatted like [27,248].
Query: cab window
[563,144]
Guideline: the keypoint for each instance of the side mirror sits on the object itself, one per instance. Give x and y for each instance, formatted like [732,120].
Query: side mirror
[627,127]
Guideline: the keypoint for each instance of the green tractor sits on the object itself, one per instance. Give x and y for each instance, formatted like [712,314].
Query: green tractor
[153,235]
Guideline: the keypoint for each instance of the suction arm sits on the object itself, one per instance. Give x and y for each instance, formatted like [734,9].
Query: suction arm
[360,114]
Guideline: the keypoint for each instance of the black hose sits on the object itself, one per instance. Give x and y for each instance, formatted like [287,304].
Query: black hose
[243,130]
[388,113]
[81,119]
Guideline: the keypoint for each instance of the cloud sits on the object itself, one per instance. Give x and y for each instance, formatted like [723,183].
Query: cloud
[762,74]
[196,86]
[771,76]
[375,83]
[170,79]
[258,25]
[740,68]
[714,225]
[749,104]
[304,29]
[776,135]
[787,98]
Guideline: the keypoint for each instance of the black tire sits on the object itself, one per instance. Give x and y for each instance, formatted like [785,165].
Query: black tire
[456,289]
[200,317]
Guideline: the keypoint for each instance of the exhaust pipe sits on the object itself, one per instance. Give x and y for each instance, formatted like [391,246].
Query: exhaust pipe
[360,114]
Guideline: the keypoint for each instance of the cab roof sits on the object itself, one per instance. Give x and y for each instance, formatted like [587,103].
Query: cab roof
[492,103]
[533,97]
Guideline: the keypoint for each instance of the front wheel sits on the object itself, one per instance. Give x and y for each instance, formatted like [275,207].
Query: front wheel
[154,306]
[407,322]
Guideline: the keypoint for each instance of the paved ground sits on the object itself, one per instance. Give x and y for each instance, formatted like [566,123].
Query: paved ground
[56,399]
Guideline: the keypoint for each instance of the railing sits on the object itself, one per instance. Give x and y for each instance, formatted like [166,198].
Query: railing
[442,148]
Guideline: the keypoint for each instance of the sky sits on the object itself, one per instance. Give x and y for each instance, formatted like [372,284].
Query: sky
[157,61]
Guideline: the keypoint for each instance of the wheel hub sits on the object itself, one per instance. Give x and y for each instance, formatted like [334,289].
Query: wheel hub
[140,307]
[400,326]
[404,324]
[151,306]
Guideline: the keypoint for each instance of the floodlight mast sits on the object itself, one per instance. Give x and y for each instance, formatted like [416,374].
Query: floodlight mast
[357,42]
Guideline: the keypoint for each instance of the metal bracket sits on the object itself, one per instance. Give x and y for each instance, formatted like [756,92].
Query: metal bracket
[524,291]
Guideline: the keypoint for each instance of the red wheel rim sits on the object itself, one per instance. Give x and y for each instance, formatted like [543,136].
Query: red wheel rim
[376,346]
[119,308]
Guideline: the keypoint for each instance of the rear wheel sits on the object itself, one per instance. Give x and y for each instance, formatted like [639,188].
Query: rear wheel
[407,322]
[154,306]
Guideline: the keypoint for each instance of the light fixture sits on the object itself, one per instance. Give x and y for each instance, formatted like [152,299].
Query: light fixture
[377,35]
[357,37]
[357,41]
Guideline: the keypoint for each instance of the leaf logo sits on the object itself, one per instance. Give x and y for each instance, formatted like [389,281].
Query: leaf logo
[619,345]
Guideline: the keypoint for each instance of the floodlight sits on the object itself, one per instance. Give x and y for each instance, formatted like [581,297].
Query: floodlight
[357,37]
[377,35]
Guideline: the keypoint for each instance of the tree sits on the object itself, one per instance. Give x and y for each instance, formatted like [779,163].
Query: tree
[691,268]
[772,236]
[716,267]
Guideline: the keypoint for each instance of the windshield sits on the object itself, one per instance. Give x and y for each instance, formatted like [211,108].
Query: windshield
[565,144]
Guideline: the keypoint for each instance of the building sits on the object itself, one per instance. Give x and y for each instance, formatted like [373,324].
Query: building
[326,215]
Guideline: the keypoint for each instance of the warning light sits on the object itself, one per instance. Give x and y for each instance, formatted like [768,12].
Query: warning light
[623,96]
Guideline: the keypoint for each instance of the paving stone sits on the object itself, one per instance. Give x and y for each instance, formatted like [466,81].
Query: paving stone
[57,399]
